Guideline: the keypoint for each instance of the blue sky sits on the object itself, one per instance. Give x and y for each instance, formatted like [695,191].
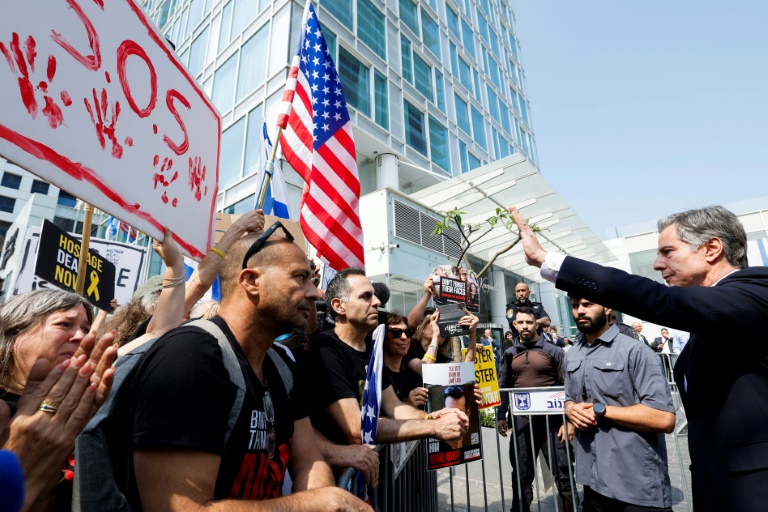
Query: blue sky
[641,109]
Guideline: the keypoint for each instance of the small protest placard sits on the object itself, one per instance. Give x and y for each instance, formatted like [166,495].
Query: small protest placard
[452,385]
[450,314]
[61,269]
[456,284]
[485,376]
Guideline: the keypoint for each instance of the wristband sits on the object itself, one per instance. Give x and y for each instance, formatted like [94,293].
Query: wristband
[217,251]
[432,346]
[430,357]
[427,417]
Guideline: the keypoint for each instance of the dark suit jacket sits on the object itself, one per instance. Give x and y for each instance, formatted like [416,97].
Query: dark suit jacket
[658,343]
[722,374]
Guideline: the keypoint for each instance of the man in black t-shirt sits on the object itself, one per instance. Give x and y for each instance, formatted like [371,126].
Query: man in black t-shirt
[336,366]
[182,395]
[522,299]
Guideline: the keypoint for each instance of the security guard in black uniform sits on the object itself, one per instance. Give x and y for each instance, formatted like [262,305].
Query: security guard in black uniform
[522,292]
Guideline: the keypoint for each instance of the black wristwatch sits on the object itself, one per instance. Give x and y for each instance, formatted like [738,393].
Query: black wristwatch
[599,410]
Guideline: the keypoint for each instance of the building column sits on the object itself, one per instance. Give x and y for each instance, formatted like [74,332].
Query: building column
[387,175]
[498,298]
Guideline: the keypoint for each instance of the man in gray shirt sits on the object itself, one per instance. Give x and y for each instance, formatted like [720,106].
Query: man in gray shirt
[618,400]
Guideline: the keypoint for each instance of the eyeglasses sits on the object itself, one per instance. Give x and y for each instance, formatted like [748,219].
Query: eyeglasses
[399,332]
[269,412]
[259,243]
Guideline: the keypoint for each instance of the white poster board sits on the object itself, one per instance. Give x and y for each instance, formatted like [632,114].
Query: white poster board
[96,102]
[128,260]
[547,400]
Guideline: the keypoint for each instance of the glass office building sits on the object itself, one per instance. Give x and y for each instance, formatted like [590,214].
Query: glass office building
[435,88]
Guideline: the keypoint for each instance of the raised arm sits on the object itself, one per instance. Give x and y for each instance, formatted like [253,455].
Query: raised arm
[417,313]
[472,321]
[205,274]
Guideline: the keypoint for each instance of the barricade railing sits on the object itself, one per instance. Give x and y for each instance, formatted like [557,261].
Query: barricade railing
[405,484]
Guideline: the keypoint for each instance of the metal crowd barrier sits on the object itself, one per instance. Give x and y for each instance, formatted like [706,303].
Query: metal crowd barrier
[405,484]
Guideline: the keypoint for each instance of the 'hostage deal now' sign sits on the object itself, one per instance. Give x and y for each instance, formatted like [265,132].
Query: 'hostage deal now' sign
[62,268]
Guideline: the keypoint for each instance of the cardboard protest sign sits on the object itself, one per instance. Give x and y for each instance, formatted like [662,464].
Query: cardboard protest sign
[448,321]
[455,284]
[97,102]
[453,385]
[127,259]
[485,376]
[224,221]
[57,261]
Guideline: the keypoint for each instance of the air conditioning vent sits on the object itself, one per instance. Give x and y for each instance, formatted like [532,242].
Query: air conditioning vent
[417,227]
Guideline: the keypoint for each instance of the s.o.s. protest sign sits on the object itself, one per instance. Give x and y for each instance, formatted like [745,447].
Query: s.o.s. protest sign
[62,269]
[96,102]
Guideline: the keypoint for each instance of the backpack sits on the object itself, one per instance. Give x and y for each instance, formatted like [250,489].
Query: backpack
[103,456]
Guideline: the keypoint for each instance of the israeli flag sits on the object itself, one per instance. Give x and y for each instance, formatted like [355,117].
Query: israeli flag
[112,229]
[276,202]
[214,292]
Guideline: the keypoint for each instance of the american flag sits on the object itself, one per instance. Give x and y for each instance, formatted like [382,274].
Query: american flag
[317,141]
[369,415]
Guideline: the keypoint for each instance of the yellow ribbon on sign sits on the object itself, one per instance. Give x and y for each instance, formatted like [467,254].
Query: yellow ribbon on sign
[94,288]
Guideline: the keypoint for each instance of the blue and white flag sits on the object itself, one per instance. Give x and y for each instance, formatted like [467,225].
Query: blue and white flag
[112,229]
[214,292]
[369,415]
[276,202]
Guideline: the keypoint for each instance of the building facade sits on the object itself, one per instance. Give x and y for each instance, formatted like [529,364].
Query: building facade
[435,88]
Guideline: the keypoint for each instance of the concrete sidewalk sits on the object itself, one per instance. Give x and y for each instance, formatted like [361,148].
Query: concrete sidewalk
[465,490]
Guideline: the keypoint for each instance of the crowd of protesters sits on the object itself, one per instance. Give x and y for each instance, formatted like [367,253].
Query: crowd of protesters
[172,402]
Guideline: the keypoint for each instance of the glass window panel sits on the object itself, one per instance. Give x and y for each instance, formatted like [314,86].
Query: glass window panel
[478,125]
[197,53]
[469,38]
[11,180]
[381,97]
[224,84]
[430,33]
[253,140]
[226,27]
[355,81]
[462,114]
[482,27]
[66,199]
[405,56]
[253,63]
[409,15]
[39,187]
[242,206]
[454,60]
[263,4]
[504,114]
[474,162]
[477,85]
[465,74]
[438,144]
[330,40]
[415,131]
[524,110]
[183,32]
[422,73]
[453,21]
[370,27]
[341,10]
[463,157]
[230,164]
[245,11]
[439,90]
[195,15]
[493,103]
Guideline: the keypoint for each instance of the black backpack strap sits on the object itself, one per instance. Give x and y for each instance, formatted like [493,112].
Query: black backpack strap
[282,368]
[233,369]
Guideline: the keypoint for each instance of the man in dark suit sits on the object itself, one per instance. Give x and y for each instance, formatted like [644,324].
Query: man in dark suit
[702,255]
[659,343]
[638,328]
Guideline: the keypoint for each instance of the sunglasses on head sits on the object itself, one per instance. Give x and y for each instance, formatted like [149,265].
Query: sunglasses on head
[259,243]
[399,332]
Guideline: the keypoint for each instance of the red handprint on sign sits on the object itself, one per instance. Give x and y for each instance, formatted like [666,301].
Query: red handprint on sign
[105,128]
[22,63]
[160,178]
[196,177]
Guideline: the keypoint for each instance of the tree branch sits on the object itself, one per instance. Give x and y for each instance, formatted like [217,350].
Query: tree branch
[499,253]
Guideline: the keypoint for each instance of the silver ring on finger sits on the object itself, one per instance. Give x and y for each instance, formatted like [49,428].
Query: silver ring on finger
[49,406]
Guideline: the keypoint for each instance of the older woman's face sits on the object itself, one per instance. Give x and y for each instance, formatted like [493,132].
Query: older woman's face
[397,345]
[56,338]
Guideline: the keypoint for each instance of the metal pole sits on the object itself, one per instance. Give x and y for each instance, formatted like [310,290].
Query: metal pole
[269,168]
[498,453]
[82,265]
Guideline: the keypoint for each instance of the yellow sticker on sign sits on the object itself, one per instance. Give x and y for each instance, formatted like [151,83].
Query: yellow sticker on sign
[485,376]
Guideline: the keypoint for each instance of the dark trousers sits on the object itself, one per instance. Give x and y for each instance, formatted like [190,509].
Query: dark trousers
[545,440]
[594,502]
